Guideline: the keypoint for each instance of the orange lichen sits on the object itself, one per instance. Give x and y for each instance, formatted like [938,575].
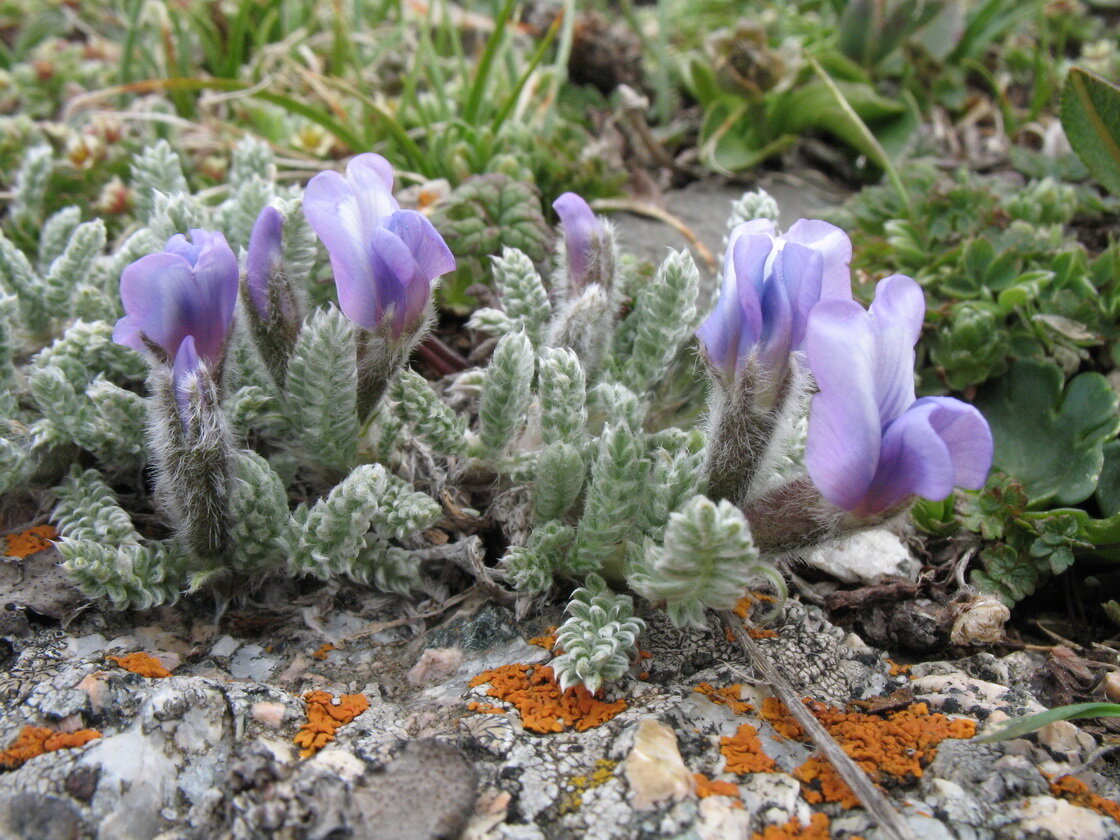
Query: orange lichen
[892,749]
[706,787]
[325,715]
[1076,792]
[36,740]
[761,633]
[31,541]
[744,753]
[323,650]
[141,663]
[896,669]
[535,693]
[547,639]
[729,695]
[817,829]
[774,713]
[485,708]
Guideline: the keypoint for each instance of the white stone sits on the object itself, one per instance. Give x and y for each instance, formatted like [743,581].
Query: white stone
[250,663]
[224,647]
[654,767]
[722,819]
[867,557]
[1045,816]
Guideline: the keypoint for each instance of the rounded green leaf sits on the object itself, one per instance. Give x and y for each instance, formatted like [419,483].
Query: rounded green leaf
[1091,119]
[1050,441]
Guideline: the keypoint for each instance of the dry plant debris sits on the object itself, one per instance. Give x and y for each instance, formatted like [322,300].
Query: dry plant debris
[729,695]
[36,740]
[31,541]
[325,714]
[744,754]
[536,694]
[817,829]
[1076,792]
[141,663]
[892,749]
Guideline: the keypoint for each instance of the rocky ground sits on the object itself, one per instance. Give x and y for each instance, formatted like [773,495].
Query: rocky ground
[418,722]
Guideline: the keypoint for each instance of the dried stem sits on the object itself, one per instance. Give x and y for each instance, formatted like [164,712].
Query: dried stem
[888,817]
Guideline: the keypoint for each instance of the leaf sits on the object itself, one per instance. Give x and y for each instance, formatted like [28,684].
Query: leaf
[1108,486]
[1006,574]
[480,217]
[1090,114]
[1024,725]
[1049,441]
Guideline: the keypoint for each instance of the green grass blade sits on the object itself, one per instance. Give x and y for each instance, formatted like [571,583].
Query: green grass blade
[482,73]
[534,62]
[1024,725]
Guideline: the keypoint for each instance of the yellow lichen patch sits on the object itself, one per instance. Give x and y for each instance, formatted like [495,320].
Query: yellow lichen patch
[744,753]
[36,740]
[1076,792]
[536,695]
[729,695]
[892,749]
[579,785]
[324,716]
[141,663]
[547,639]
[706,787]
[323,650]
[31,541]
[817,829]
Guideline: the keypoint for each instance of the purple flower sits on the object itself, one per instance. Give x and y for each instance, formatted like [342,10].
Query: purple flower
[585,237]
[871,445]
[265,257]
[384,258]
[187,290]
[770,284]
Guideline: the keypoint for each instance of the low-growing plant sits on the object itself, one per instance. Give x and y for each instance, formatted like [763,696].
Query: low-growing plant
[286,437]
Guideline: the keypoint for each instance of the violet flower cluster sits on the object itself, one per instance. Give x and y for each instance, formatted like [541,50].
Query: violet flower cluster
[872,447]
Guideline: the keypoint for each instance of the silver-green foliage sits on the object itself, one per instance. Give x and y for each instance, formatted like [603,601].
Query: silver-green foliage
[599,638]
[505,393]
[524,299]
[157,169]
[418,408]
[707,561]
[322,386]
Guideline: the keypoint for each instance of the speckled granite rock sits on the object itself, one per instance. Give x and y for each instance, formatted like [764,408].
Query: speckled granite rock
[208,752]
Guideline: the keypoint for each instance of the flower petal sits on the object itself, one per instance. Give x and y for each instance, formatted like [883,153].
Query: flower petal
[401,286]
[371,177]
[897,313]
[836,250]
[266,254]
[749,253]
[967,435]
[800,270]
[186,363]
[215,296]
[842,448]
[157,292]
[914,461]
[580,227]
[423,240]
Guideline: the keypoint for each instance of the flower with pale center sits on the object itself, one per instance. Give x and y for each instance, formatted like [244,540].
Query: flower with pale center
[384,259]
[770,283]
[872,446]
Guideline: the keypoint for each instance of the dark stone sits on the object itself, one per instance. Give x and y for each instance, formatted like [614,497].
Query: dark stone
[36,816]
[489,627]
[81,784]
